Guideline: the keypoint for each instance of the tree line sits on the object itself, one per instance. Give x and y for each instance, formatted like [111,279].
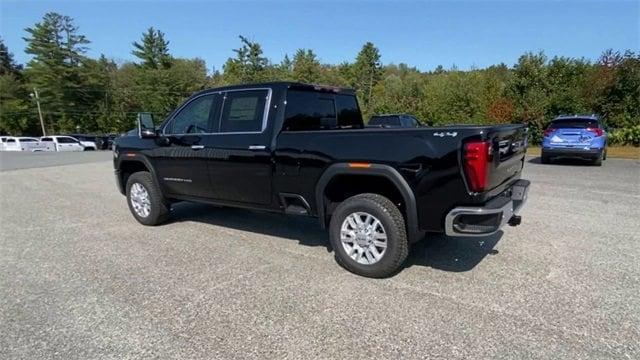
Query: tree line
[81,94]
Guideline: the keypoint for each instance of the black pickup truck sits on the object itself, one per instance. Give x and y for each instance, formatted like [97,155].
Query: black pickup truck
[303,149]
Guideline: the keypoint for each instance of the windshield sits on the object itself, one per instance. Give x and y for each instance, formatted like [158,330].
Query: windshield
[574,124]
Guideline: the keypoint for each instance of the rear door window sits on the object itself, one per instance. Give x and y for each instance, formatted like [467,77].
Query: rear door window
[244,111]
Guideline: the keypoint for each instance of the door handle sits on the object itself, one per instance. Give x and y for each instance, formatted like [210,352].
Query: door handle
[257,147]
[197,147]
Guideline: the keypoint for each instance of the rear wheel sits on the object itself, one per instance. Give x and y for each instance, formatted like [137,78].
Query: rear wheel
[598,160]
[368,236]
[145,200]
[545,159]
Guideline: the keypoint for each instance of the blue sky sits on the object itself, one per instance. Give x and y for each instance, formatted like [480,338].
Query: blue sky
[423,34]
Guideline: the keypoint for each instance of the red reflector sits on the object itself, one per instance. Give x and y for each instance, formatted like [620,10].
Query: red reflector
[548,132]
[476,164]
[596,131]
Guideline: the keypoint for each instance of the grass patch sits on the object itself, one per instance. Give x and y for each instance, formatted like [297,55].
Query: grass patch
[621,152]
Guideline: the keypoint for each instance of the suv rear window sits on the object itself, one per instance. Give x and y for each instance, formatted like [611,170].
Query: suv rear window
[574,124]
[385,121]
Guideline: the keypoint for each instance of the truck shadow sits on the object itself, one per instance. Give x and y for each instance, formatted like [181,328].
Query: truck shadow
[454,254]
[303,229]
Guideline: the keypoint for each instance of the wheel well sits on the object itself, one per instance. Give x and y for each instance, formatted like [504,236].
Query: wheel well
[130,167]
[343,186]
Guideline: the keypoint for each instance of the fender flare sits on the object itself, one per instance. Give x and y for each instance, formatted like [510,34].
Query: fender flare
[139,158]
[385,171]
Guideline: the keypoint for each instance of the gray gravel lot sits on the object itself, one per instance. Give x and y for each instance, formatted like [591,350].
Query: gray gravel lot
[80,279]
[10,160]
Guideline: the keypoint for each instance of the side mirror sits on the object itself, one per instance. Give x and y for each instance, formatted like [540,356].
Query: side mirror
[146,128]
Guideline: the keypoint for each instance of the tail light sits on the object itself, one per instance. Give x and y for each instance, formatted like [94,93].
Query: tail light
[548,132]
[596,131]
[477,156]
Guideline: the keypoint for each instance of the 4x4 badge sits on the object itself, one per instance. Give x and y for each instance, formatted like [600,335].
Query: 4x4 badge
[443,134]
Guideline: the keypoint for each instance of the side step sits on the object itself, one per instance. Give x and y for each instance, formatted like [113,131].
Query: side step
[294,204]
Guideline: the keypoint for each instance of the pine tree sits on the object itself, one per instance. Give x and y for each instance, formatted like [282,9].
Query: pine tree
[154,50]
[55,70]
[248,66]
[367,71]
[306,67]
[7,64]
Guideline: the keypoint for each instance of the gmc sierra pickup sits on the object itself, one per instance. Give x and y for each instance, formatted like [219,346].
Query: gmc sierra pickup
[303,149]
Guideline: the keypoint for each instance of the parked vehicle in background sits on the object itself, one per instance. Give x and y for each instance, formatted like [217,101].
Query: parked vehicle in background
[62,143]
[303,150]
[575,136]
[21,143]
[88,141]
[393,120]
[105,142]
[3,139]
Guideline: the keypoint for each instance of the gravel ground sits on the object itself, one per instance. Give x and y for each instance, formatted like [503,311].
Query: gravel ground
[80,279]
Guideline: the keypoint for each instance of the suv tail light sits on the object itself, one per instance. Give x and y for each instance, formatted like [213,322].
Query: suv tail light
[477,155]
[548,132]
[596,131]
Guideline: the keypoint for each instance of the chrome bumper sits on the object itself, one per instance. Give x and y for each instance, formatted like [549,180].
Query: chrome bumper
[488,219]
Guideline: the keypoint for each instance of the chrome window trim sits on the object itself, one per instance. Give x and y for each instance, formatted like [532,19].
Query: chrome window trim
[265,113]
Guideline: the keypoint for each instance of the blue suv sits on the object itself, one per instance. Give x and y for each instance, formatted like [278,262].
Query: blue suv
[575,136]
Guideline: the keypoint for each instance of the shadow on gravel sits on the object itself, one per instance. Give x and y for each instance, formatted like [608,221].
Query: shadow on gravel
[563,161]
[303,229]
[455,254]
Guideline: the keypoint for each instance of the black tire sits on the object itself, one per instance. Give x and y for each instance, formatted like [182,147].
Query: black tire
[604,154]
[394,226]
[545,159]
[598,160]
[159,207]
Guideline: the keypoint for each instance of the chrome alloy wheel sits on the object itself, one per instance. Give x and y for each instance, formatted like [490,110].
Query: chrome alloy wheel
[140,200]
[363,238]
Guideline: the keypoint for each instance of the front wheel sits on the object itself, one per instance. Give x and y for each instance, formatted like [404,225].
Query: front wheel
[145,200]
[368,236]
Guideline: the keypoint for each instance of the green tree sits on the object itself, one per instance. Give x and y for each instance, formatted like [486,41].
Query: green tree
[529,90]
[248,65]
[153,50]
[55,70]
[367,71]
[306,67]
[15,117]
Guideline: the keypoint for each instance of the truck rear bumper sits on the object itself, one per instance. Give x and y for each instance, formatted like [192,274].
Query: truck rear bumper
[488,219]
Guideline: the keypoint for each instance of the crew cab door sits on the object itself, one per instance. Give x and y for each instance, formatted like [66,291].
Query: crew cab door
[181,157]
[241,168]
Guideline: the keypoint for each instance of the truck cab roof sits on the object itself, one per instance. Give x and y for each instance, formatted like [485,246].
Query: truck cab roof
[280,85]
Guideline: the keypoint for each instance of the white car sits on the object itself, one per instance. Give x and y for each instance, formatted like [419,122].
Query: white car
[21,143]
[62,143]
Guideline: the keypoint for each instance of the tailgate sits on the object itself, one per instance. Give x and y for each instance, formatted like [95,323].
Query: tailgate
[508,149]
